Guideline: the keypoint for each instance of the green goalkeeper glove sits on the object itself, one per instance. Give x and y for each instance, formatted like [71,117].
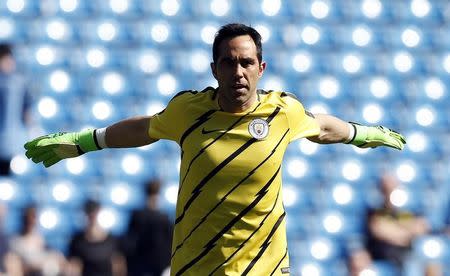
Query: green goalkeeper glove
[52,148]
[374,136]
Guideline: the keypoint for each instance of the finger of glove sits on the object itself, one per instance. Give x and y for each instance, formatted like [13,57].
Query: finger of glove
[398,136]
[43,156]
[31,144]
[39,151]
[50,162]
[388,138]
[394,143]
[393,133]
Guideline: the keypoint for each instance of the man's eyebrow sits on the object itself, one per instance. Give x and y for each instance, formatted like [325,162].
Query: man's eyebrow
[247,59]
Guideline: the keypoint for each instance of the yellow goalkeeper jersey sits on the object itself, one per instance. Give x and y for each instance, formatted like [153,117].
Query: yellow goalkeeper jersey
[230,218]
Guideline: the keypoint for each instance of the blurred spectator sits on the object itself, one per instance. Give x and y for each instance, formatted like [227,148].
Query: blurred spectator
[30,246]
[14,106]
[390,232]
[9,262]
[94,251]
[149,236]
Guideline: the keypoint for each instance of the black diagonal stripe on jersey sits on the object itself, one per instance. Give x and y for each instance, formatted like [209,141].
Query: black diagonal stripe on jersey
[251,235]
[284,256]
[199,121]
[265,245]
[229,192]
[212,243]
[212,142]
[274,113]
[197,190]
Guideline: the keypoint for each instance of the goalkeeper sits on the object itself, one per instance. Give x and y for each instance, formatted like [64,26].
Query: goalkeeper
[229,215]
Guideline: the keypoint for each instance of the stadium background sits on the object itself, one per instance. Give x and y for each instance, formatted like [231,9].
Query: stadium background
[92,62]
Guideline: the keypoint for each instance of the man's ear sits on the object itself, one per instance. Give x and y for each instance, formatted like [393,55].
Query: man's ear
[262,67]
[213,69]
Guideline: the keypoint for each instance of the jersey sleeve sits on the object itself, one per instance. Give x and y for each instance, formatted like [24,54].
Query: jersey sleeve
[168,124]
[301,122]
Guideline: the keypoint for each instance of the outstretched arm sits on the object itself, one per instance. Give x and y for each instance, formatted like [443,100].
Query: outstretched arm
[334,130]
[50,149]
[132,132]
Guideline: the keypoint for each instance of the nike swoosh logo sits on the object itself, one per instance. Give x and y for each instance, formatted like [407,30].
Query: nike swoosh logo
[204,131]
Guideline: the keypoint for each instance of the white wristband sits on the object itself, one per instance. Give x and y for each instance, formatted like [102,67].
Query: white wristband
[351,133]
[100,133]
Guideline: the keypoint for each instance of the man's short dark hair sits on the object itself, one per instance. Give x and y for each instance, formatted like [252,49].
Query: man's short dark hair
[152,187]
[91,206]
[5,50]
[236,29]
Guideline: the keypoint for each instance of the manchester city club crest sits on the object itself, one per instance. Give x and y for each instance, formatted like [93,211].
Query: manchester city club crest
[258,128]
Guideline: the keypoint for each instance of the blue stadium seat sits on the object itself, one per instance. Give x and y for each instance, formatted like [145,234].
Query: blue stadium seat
[91,58]
[46,57]
[113,85]
[146,61]
[383,268]
[26,8]
[54,220]
[296,198]
[213,10]
[298,171]
[343,197]
[64,193]
[58,241]
[53,30]
[337,225]
[104,31]
[432,247]
[311,267]
[11,222]
[180,9]
[12,30]
[377,88]
[128,166]
[77,9]
[157,33]
[119,9]
[326,11]
[299,224]
[100,111]
[13,192]
[123,195]
[192,33]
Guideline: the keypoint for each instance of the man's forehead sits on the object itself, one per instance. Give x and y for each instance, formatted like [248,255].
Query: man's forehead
[239,43]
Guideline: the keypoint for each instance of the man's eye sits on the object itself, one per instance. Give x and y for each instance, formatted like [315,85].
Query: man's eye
[246,63]
[227,62]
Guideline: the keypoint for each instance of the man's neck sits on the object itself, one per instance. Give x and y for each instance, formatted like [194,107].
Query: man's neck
[238,107]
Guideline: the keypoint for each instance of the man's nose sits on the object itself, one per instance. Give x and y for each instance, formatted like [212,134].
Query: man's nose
[238,71]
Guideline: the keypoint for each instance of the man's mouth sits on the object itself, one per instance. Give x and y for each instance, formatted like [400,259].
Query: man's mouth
[239,86]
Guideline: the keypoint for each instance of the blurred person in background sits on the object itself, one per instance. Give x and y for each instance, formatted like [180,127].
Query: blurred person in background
[9,262]
[94,251]
[230,217]
[30,246]
[14,108]
[390,232]
[149,236]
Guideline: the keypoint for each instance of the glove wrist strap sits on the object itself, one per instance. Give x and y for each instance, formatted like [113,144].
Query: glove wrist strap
[360,135]
[88,140]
